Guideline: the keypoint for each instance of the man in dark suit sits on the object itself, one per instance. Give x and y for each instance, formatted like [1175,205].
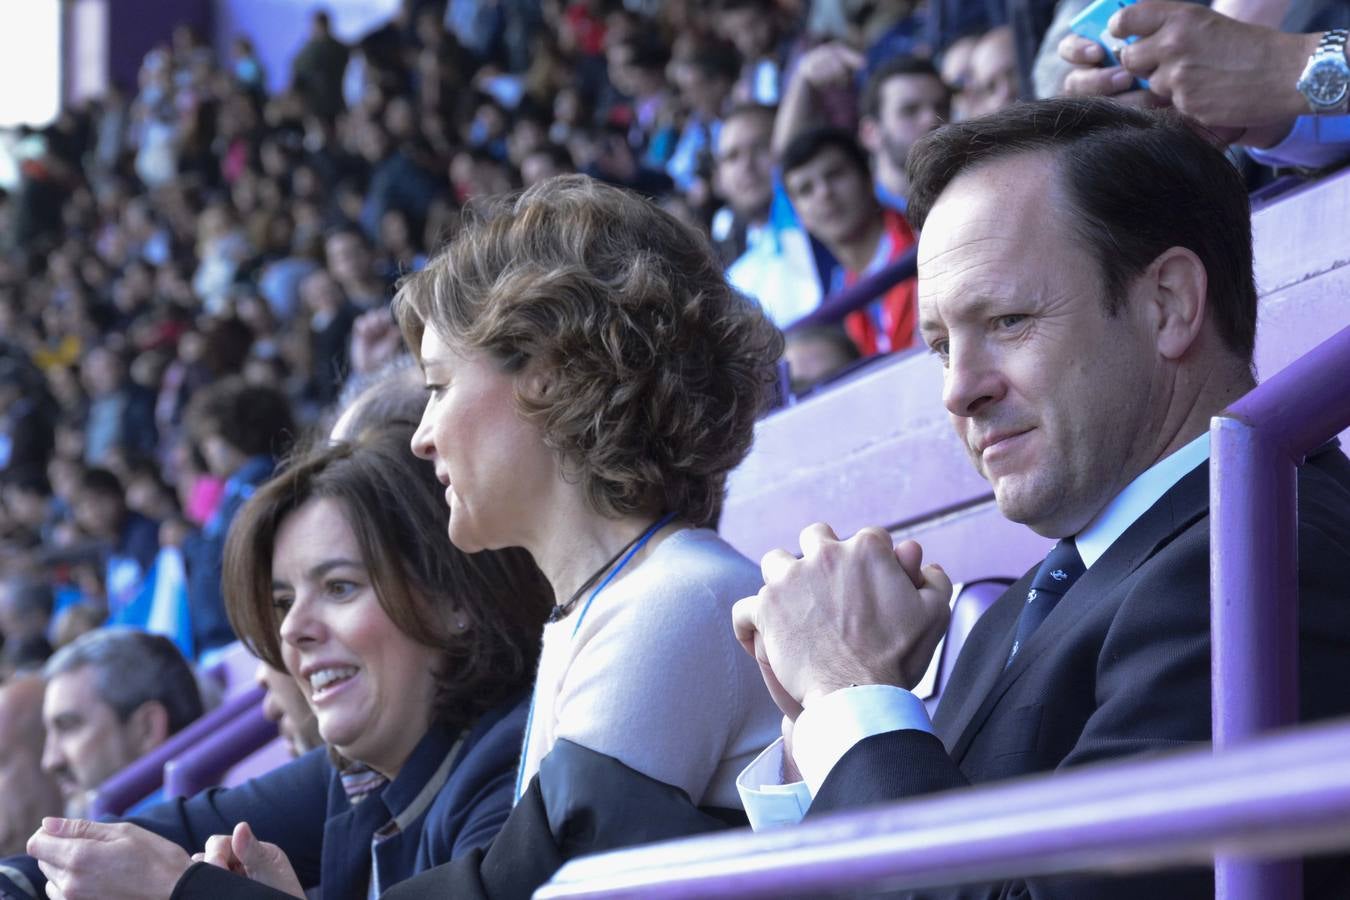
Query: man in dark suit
[1084,354]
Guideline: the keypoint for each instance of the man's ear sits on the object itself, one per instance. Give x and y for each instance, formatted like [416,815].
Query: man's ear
[148,726]
[1178,285]
[869,134]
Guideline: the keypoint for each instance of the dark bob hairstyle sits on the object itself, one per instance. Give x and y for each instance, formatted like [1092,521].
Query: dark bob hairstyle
[396,510]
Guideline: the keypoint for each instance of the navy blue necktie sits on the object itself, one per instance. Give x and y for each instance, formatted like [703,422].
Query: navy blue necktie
[1052,580]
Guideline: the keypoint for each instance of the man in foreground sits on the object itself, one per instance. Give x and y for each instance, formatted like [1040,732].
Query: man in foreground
[1084,353]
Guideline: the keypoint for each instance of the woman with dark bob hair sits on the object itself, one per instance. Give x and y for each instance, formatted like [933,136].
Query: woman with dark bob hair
[592,380]
[415,658]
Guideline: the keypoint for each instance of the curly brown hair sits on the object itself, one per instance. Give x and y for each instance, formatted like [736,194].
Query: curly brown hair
[396,511]
[657,368]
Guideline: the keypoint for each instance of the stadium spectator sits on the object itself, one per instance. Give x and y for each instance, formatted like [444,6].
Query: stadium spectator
[26,605]
[814,354]
[242,430]
[743,177]
[993,73]
[955,70]
[1124,294]
[285,704]
[827,178]
[331,315]
[903,100]
[407,650]
[128,540]
[121,413]
[755,28]
[112,696]
[543,163]
[350,260]
[29,794]
[773,260]
[1192,58]
[704,80]
[316,72]
[27,435]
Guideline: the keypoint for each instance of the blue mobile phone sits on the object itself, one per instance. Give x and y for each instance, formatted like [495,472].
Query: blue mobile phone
[1092,23]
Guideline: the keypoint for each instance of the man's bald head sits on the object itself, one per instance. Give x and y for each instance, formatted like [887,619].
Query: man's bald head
[28,793]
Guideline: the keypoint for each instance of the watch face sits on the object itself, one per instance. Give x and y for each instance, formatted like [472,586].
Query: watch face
[1326,84]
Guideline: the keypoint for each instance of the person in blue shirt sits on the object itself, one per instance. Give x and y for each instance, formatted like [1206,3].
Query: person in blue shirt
[241,429]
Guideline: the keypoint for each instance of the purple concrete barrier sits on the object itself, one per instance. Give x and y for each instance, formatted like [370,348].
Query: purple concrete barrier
[1286,794]
[1256,448]
[147,773]
[204,764]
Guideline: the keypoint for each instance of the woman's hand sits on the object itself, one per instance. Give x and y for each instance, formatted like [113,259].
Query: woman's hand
[105,861]
[243,854]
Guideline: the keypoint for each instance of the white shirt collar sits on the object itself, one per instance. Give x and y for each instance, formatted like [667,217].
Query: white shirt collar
[1137,497]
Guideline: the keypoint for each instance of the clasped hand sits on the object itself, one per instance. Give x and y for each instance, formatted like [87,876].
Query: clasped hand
[858,611]
[116,860]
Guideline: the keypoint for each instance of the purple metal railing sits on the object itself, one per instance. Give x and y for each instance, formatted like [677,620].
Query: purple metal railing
[203,764]
[1256,447]
[857,295]
[1282,794]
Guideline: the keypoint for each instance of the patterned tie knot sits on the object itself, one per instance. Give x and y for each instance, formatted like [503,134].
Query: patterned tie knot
[1060,570]
[1052,580]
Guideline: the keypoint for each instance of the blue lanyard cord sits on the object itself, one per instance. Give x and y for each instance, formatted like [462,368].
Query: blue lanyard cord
[529,721]
[613,573]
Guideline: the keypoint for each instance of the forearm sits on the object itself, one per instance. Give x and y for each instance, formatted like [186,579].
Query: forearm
[796,113]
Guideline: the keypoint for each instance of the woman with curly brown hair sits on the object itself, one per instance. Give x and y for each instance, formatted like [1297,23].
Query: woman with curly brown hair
[592,382]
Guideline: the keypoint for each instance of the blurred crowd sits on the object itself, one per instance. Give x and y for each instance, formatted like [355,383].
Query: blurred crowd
[192,270]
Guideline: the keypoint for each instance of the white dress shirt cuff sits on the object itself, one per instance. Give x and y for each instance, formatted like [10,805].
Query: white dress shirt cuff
[768,800]
[830,726]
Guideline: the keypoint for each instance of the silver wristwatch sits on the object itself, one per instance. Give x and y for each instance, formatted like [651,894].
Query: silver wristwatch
[1325,82]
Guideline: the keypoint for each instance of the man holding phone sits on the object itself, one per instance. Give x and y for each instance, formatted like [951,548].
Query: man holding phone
[1286,95]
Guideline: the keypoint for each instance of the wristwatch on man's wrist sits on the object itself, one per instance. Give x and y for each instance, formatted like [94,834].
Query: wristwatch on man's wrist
[1325,82]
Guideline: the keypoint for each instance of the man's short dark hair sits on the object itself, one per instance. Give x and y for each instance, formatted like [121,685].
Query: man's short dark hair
[716,61]
[132,668]
[1138,182]
[101,481]
[30,596]
[895,67]
[254,419]
[650,52]
[557,153]
[807,146]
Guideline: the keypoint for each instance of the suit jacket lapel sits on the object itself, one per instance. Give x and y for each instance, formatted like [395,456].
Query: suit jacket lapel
[1175,511]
